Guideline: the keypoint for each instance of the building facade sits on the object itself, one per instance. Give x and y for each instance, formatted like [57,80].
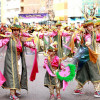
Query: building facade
[10,9]
[60,9]
[90,5]
[35,8]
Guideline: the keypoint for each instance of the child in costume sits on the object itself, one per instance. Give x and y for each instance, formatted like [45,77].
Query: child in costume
[53,66]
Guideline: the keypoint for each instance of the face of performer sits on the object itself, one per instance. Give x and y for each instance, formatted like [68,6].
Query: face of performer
[51,53]
[98,27]
[90,27]
[16,32]
[59,27]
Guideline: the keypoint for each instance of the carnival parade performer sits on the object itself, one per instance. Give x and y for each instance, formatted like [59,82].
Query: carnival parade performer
[53,65]
[15,71]
[87,60]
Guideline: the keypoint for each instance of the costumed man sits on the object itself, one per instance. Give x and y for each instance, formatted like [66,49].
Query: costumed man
[87,60]
[15,71]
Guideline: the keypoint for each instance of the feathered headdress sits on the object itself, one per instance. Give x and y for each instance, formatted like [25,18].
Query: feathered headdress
[16,24]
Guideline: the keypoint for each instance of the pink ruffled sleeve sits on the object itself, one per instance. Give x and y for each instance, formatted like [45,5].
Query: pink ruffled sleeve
[77,38]
[25,35]
[88,39]
[64,34]
[98,38]
[53,34]
[29,44]
[4,42]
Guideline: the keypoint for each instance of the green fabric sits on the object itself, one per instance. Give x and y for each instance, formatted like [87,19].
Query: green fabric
[38,43]
[10,68]
[59,45]
[89,72]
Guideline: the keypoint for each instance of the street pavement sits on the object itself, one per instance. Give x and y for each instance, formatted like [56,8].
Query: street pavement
[36,89]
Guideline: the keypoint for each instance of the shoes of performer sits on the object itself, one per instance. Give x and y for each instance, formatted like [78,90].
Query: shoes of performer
[97,94]
[78,92]
[14,97]
[52,97]
[58,97]
[18,94]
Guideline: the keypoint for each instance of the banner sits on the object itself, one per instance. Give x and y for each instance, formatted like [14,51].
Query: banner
[27,16]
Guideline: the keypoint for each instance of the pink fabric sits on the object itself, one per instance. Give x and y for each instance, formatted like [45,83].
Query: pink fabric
[54,33]
[68,38]
[48,70]
[65,84]
[4,42]
[64,73]
[27,44]
[55,61]
[98,38]
[8,33]
[25,34]
[2,79]
[87,37]
[77,38]
[41,36]
[19,46]
[64,34]
[35,67]
[68,48]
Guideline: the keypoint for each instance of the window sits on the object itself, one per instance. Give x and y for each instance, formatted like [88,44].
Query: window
[22,9]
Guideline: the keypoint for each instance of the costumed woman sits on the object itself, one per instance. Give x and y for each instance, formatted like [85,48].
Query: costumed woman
[53,66]
[15,71]
[87,60]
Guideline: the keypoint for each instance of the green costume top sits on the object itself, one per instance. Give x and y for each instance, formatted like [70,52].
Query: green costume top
[11,68]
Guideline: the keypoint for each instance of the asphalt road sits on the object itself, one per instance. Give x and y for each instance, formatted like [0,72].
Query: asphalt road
[36,89]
